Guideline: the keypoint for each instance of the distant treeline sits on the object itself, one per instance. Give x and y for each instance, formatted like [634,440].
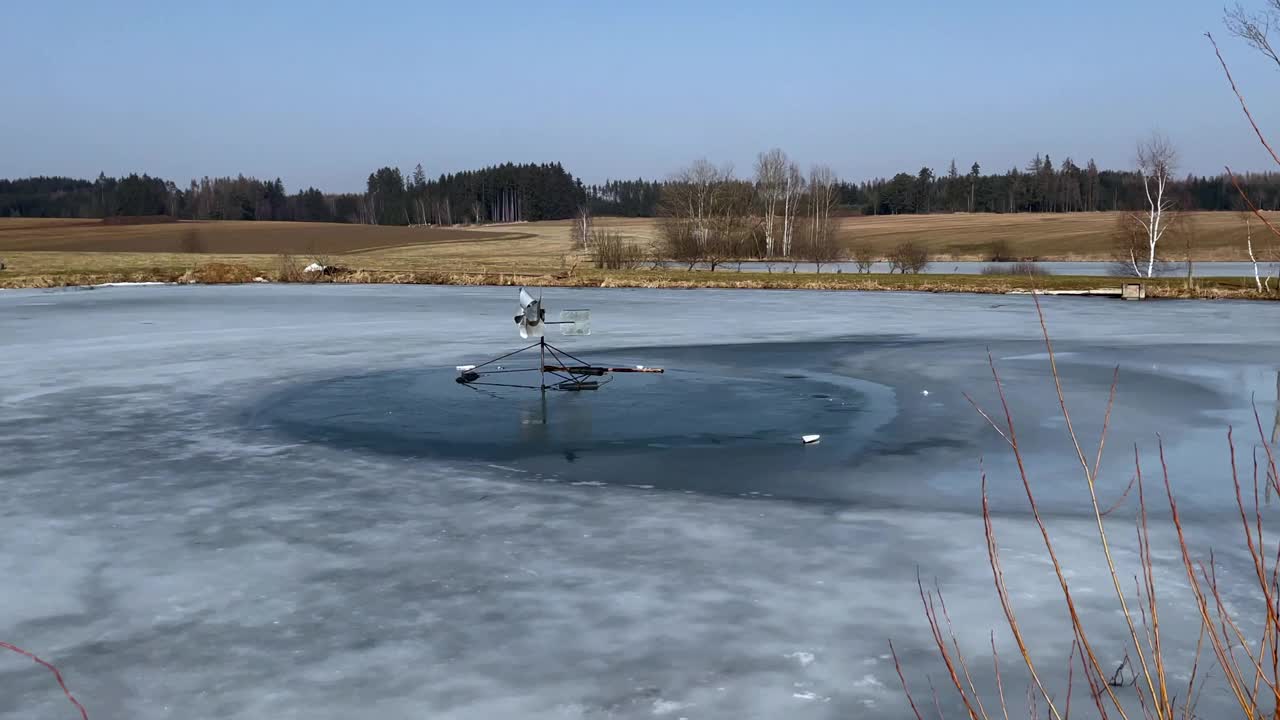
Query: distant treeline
[515,193]
[1043,186]
[505,193]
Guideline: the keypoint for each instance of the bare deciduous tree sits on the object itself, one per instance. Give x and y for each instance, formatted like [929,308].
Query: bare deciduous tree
[1156,162]
[864,258]
[792,193]
[819,245]
[1129,241]
[701,210]
[1263,281]
[678,241]
[582,228]
[613,251]
[908,257]
[771,180]
[732,225]
[1255,27]
[1247,217]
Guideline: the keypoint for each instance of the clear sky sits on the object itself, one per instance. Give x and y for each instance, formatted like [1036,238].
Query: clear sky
[322,94]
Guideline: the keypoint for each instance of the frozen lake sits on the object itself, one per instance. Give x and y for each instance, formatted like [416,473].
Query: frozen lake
[274,502]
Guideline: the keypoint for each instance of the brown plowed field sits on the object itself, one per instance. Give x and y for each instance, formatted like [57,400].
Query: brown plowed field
[1045,236]
[221,237]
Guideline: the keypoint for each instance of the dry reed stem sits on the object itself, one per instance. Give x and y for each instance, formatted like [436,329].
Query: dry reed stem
[959,655]
[1090,478]
[1011,436]
[937,705]
[1198,592]
[898,666]
[1150,673]
[1071,676]
[1002,591]
[931,613]
[1148,566]
[1191,683]
[995,661]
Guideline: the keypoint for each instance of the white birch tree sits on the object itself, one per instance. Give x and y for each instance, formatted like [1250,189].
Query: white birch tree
[1247,217]
[771,177]
[1156,162]
[691,204]
[582,226]
[792,193]
[820,246]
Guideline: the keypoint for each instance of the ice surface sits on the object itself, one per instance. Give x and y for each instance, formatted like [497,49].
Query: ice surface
[179,552]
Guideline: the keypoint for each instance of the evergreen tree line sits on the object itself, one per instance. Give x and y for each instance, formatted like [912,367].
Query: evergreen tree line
[1043,187]
[626,198]
[1039,187]
[503,193]
[529,192]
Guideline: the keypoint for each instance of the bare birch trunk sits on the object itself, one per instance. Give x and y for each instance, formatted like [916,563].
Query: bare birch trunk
[1248,228]
[1156,160]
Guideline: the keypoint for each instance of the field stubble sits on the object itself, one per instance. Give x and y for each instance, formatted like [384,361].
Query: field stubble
[50,253]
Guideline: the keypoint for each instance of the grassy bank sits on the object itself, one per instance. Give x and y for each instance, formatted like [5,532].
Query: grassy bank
[239,272]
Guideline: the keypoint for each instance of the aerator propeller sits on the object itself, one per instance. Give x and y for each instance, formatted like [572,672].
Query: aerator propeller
[575,375]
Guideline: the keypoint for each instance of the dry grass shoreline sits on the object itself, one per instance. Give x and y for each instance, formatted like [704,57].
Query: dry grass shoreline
[238,273]
[43,253]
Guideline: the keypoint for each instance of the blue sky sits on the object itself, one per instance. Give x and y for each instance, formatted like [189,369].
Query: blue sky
[323,93]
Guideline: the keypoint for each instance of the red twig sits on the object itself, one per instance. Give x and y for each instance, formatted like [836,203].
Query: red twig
[1252,208]
[1191,684]
[1095,690]
[995,661]
[56,675]
[937,705]
[1002,591]
[1262,435]
[898,666]
[1164,706]
[1123,496]
[1240,97]
[931,612]
[1106,419]
[1071,676]
[1233,678]
[964,666]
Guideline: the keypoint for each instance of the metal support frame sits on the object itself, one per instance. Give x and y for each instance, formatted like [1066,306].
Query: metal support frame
[575,377]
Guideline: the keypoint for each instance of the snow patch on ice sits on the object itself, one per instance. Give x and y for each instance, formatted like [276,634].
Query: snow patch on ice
[666,707]
[804,658]
[868,681]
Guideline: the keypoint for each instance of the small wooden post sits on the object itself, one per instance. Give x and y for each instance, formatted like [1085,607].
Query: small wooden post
[1133,291]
